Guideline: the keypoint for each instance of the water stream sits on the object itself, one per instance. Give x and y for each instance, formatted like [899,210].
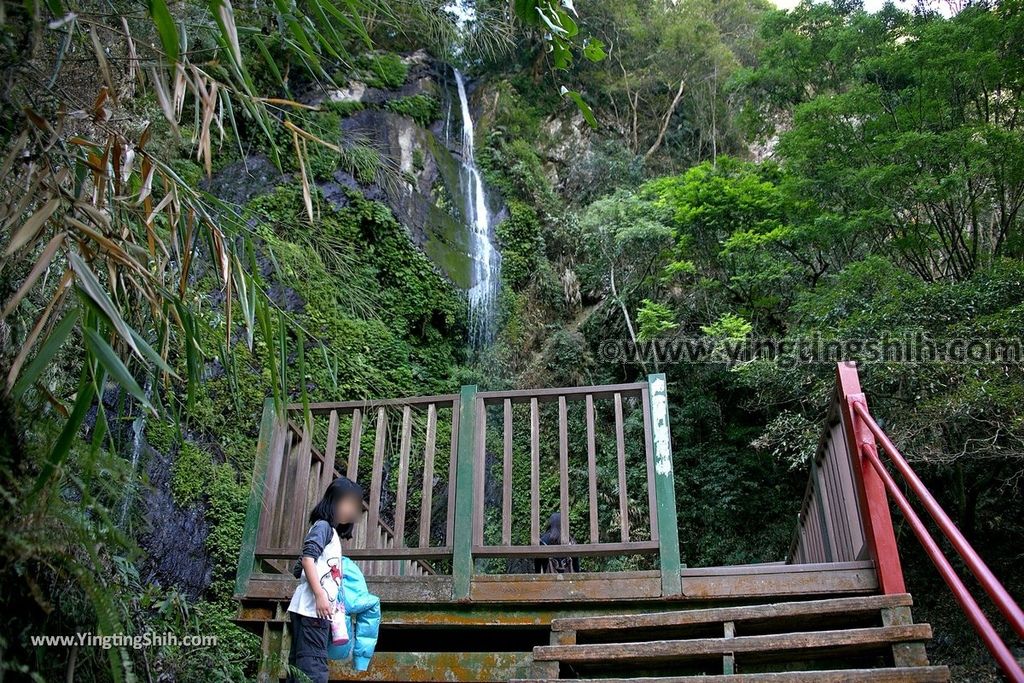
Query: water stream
[484,257]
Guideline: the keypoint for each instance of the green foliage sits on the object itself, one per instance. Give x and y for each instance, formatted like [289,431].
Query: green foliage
[362,161]
[908,137]
[423,109]
[653,320]
[192,474]
[521,243]
[728,326]
[343,108]
[382,70]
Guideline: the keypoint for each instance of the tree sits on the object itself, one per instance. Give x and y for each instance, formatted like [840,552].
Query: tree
[921,140]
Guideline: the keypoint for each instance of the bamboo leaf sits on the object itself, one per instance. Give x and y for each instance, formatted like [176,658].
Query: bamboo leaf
[98,346]
[150,353]
[94,290]
[46,353]
[165,27]
[41,265]
[30,228]
[68,436]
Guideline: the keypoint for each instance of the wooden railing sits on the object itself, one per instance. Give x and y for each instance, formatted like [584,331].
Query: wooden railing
[829,527]
[424,462]
[845,515]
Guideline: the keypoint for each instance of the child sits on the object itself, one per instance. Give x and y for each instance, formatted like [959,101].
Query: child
[314,600]
[553,536]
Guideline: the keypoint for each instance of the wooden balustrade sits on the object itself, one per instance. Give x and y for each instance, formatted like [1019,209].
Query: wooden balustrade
[845,513]
[425,462]
[829,528]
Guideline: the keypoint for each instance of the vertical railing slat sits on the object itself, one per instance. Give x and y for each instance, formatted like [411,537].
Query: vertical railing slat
[449,527]
[825,512]
[592,470]
[426,499]
[257,497]
[846,474]
[620,452]
[330,452]
[506,476]
[271,492]
[563,468]
[287,479]
[479,468]
[665,492]
[462,536]
[402,494]
[300,491]
[376,479]
[354,439]
[652,503]
[534,472]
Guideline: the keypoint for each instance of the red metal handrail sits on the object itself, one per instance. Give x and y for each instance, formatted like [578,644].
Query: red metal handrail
[1009,608]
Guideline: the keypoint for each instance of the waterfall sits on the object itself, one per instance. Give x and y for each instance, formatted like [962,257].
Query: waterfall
[485,259]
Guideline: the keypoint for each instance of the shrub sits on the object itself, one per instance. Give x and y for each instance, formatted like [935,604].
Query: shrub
[423,109]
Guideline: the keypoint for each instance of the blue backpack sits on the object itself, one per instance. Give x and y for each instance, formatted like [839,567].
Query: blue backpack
[363,609]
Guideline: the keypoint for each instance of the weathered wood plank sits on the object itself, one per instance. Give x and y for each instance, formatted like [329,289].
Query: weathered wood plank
[904,654]
[355,435]
[620,452]
[271,491]
[931,674]
[402,493]
[602,588]
[479,469]
[462,535]
[551,394]
[330,452]
[426,496]
[438,666]
[295,528]
[567,550]
[534,472]
[376,480]
[506,477]
[843,639]
[652,503]
[592,470]
[250,531]
[595,587]
[739,614]
[346,406]
[452,470]
[563,468]
[664,484]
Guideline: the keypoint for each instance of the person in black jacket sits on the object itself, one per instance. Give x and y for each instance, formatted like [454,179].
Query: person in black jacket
[553,536]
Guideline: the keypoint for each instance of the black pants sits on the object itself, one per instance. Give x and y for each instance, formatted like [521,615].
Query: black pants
[308,654]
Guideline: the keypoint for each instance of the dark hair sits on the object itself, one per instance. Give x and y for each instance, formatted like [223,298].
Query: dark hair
[340,488]
[553,536]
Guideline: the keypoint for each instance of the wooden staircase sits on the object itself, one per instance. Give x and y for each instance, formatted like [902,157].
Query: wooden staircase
[871,638]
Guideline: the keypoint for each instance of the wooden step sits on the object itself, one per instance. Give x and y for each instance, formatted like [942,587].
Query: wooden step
[664,650]
[743,614]
[923,674]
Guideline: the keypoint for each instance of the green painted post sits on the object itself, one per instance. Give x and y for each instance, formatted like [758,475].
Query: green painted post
[247,555]
[462,552]
[664,487]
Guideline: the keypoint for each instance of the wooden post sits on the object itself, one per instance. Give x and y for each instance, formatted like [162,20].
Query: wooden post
[664,486]
[874,504]
[247,555]
[462,550]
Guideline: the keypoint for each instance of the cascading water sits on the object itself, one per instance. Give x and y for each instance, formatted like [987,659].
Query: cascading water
[485,259]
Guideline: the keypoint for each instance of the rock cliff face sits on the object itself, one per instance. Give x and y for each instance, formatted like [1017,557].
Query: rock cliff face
[424,188]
